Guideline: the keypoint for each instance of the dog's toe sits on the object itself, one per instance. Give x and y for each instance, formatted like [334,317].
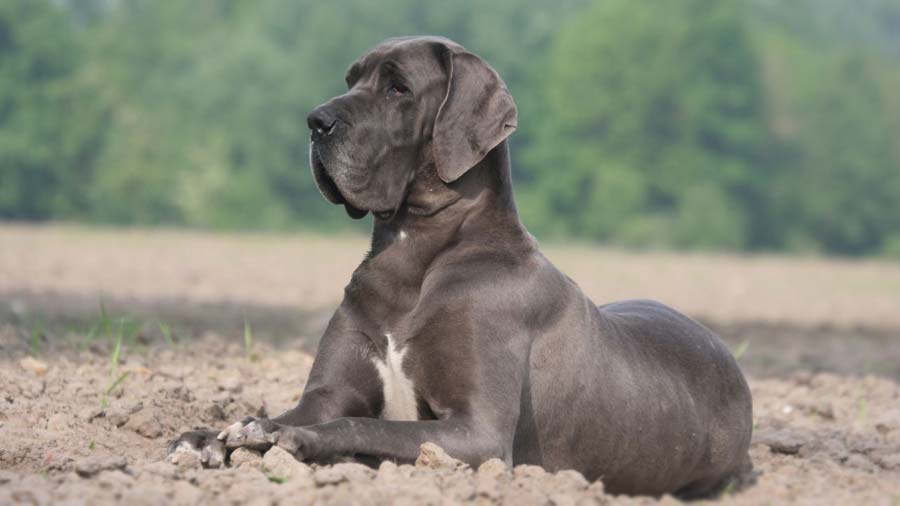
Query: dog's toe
[202,444]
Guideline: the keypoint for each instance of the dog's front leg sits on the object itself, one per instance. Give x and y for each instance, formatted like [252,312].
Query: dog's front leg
[342,383]
[466,440]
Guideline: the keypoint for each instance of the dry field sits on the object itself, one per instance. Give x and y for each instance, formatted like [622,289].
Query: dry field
[83,423]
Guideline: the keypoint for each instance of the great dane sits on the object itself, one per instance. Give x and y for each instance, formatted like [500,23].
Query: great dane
[455,329]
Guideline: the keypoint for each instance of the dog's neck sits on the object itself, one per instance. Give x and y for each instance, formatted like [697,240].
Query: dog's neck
[437,214]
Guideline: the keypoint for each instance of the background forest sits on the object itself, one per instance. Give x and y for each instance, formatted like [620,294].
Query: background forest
[690,124]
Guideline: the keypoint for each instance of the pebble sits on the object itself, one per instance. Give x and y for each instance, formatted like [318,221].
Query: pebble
[433,456]
[91,466]
[487,485]
[7,477]
[88,414]
[34,365]
[145,423]
[890,461]
[242,457]
[338,473]
[114,479]
[783,441]
[279,463]
[493,468]
[161,468]
[58,421]
[597,489]
[117,416]
[528,471]
[570,479]
[185,460]
[214,412]
[230,383]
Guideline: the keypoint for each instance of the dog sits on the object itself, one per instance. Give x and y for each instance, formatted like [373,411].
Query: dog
[455,329]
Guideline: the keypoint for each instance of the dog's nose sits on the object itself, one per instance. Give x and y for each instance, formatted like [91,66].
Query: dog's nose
[321,121]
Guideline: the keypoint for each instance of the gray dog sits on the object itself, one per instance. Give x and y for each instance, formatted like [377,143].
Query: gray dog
[455,328]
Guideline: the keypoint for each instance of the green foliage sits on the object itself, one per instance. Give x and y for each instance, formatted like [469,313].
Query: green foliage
[752,124]
[49,135]
[658,118]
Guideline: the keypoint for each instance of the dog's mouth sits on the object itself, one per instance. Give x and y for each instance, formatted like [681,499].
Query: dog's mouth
[328,187]
[333,193]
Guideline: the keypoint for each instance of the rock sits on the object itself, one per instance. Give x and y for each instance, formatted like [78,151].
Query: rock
[162,469]
[144,494]
[433,456]
[863,443]
[783,441]
[91,466]
[487,485]
[281,464]
[824,409]
[184,492]
[328,476]
[185,460]
[889,462]
[523,497]
[888,422]
[860,462]
[33,365]
[528,471]
[597,489]
[114,479]
[833,448]
[214,412]
[391,474]
[7,477]
[56,461]
[58,421]
[356,471]
[88,414]
[231,383]
[562,500]
[570,479]
[117,416]
[803,378]
[242,457]
[388,468]
[493,468]
[347,471]
[145,423]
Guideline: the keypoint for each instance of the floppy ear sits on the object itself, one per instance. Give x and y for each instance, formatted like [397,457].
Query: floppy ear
[477,114]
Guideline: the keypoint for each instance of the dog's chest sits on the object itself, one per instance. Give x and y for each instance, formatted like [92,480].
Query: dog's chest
[398,389]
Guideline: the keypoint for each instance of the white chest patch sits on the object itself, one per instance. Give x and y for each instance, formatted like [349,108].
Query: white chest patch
[399,394]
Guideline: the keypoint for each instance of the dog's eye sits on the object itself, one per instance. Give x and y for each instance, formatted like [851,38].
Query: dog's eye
[397,90]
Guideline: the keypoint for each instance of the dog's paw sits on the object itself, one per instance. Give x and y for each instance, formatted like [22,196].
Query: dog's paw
[253,433]
[202,443]
[300,442]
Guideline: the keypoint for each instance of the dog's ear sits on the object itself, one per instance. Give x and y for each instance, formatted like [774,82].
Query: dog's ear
[477,114]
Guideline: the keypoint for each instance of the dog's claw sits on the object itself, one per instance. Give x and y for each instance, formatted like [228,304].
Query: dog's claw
[201,443]
[235,428]
[213,454]
[259,434]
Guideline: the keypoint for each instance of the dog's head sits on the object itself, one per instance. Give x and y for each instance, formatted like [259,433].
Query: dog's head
[412,102]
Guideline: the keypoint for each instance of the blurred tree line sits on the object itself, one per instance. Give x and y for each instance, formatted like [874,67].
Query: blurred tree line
[743,125]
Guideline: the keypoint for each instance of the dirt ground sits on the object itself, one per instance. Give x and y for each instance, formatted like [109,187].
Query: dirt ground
[78,427]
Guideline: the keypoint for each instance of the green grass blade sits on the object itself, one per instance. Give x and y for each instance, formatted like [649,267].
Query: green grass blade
[37,330]
[116,352]
[118,382]
[166,333]
[741,349]
[248,337]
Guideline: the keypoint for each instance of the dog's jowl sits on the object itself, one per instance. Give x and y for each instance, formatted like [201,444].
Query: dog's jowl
[455,329]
